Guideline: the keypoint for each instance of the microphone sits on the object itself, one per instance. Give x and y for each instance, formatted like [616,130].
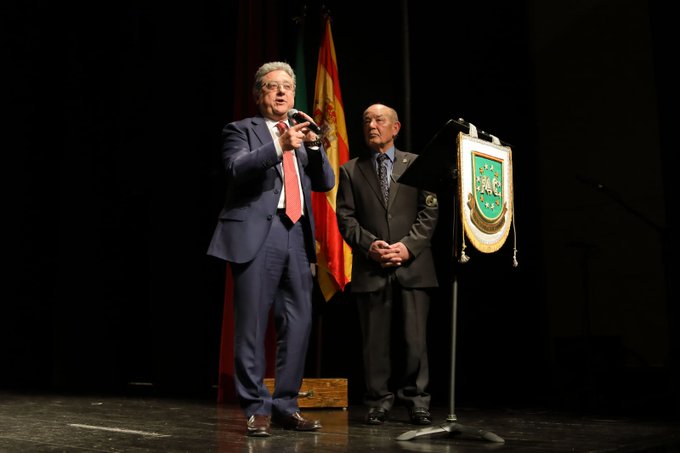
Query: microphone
[294,114]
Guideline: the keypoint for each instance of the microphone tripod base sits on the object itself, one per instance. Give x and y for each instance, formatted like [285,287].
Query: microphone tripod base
[452,429]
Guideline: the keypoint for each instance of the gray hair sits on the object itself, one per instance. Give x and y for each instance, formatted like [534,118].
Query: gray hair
[390,111]
[266,69]
[393,112]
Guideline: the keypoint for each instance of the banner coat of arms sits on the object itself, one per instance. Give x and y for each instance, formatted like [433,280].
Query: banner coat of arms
[485,192]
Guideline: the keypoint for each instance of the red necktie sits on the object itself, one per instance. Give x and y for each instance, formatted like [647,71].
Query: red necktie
[290,181]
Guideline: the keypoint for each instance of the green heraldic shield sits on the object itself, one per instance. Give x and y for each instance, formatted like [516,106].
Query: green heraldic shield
[485,192]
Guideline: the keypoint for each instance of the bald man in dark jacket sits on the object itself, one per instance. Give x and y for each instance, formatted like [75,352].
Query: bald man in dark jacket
[393,270]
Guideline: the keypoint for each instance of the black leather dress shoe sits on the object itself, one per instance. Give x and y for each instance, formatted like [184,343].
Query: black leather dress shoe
[420,416]
[376,416]
[259,426]
[297,422]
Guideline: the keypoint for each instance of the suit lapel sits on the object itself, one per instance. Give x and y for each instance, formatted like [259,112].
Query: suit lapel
[261,130]
[401,163]
[263,133]
[367,168]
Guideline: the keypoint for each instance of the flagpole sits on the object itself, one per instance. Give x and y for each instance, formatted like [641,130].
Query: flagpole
[406,73]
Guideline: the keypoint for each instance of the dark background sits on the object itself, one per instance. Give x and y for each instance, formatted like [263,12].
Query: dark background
[114,182]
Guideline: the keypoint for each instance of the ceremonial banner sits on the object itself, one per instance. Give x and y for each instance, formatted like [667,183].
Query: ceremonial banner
[334,255]
[485,191]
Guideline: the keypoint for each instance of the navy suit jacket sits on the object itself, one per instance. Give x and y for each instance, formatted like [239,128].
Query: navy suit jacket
[254,182]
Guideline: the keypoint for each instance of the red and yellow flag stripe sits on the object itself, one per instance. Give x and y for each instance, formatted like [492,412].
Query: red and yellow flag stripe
[335,257]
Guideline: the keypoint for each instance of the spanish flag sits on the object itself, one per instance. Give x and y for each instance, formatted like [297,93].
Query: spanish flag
[334,255]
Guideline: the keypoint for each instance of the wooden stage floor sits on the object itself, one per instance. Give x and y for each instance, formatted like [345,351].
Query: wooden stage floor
[77,423]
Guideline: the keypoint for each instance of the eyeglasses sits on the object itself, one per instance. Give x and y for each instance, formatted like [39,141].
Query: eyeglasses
[274,86]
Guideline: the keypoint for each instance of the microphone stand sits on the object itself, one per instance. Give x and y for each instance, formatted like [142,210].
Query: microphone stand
[452,427]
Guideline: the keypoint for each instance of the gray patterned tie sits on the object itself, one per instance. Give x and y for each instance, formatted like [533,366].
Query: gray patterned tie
[382,177]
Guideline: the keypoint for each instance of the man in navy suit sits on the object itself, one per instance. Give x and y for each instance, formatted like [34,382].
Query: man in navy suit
[389,231]
[270,255]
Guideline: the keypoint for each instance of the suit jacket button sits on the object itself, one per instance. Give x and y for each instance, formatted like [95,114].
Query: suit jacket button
[276,191]
[269,217]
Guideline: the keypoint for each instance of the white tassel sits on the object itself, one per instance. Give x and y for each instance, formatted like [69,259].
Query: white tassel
[463,257]
[514,235]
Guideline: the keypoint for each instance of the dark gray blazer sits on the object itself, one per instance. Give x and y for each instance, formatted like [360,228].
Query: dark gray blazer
[410,217]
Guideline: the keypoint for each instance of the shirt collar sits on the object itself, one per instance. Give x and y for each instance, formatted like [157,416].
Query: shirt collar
[271,124]
[390,154]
